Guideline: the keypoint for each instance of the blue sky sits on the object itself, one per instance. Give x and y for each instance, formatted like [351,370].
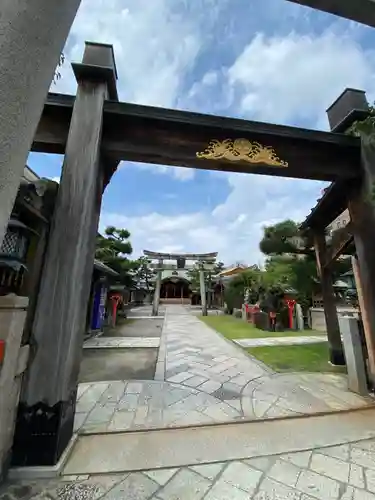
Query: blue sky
[267,60]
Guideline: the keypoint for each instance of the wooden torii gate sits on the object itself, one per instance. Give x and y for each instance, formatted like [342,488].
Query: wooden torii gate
[95,132]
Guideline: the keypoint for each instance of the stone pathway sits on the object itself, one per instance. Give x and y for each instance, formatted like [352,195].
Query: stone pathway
[345,472]
[204,379]
[277,341]
[119,405]
[145,312]
[128,342]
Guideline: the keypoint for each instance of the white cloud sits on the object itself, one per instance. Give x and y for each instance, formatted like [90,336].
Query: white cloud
[155,43]
[294,78]
[178,173]
[154,46]
[233,228]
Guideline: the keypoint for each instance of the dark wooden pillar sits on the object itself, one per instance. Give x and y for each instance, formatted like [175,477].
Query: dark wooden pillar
[336,353]
[361,209]
[47,405]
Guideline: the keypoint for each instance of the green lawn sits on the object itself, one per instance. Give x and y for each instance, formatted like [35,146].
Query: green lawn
[297,358]
[235,328]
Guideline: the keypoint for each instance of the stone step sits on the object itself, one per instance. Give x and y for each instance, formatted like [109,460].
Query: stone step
[134,451]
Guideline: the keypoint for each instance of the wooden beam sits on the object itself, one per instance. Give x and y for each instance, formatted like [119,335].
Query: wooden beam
[170,137]
[341,240]
[152,135]
[361,11]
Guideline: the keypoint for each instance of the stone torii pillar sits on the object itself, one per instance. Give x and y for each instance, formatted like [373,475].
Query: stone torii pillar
[47,404]
[32,36]
[202,284]
[156,301]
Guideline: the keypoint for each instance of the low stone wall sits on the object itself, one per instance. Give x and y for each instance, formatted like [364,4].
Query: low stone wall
[13,362]
[317,319]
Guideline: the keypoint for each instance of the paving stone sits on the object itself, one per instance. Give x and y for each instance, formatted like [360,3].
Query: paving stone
[348,493]
[185,485]
[260,463]
[224,491]
[242,476]
[134,388]
[370,480]
[363,457]
[365,445]
[329,466]
[161,476]
[356,477]
[319,486]
[234,403]
[180,377]
[341,452]
[362,495]
[217,413]
[209,471]
[300,458]
[240,380]
[135,487]
[210,386]
[170,372]
[129,402]
[194,381]
[121,420]
[285,473]
[79,419]
[82,388]
[271,490]
[262,407]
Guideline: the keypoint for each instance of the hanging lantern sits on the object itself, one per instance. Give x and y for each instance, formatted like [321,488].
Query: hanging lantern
[15,245]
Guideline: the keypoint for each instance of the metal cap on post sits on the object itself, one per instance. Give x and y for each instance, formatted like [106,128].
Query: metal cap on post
[355,362]
[349,107]
[98,63]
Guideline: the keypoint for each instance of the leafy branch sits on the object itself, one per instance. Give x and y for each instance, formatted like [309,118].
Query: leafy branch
[364,127]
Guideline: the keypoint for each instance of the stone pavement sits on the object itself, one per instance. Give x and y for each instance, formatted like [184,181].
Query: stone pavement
[205,379]
[277,341]
[127,342]
[345,472]
[145,312]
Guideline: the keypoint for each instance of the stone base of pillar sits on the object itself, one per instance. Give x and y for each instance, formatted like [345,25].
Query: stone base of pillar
[43,432]
[336,356]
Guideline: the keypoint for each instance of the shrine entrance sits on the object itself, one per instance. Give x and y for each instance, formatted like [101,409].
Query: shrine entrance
[96,132]
[175,288]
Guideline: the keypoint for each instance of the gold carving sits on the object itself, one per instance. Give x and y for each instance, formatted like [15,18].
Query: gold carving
[241,150]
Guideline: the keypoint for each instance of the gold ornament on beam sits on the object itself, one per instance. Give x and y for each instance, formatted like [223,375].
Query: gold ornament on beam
[241,150]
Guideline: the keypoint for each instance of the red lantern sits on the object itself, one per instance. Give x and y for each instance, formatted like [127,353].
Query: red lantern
[290,303]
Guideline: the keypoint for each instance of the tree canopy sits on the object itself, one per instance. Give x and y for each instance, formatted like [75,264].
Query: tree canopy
[143,272]
[290,265]
[281,238]
[113,250]
[193,274]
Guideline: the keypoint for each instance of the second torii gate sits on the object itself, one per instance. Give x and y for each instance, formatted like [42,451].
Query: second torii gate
[205,261]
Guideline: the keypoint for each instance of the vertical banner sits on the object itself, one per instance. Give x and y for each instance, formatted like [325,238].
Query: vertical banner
[98,310]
